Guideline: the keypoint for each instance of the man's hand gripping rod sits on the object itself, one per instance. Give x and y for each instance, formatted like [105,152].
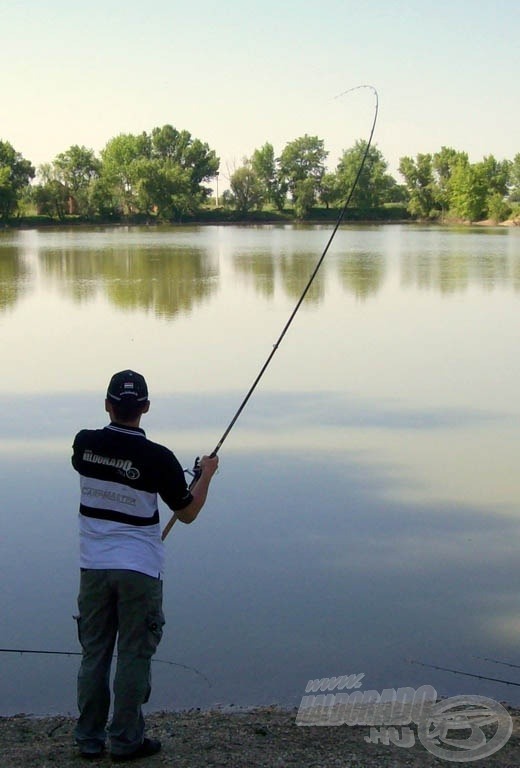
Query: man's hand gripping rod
[195,473]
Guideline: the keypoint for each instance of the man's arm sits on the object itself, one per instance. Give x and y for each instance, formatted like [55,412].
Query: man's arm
[199,490]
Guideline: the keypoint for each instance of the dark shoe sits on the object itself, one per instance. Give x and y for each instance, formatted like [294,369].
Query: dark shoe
[96,755]
[148,748]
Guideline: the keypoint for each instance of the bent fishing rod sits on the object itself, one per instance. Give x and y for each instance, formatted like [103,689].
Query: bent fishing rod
[196,471]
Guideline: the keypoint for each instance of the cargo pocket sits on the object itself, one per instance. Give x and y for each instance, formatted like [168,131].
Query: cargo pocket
[154,627]
[77,619]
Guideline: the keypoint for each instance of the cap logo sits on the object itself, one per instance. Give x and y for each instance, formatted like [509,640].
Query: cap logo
[127,385]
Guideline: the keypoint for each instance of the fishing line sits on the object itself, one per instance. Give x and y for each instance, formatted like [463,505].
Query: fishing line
[21,651]
[313,274]
[339,219]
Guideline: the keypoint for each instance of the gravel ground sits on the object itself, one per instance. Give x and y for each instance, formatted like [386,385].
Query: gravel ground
[266,737]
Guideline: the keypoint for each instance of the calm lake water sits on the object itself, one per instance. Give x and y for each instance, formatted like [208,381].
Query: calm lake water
[366,510]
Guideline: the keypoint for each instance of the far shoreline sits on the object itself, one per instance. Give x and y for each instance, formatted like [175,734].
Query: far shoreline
[261,218]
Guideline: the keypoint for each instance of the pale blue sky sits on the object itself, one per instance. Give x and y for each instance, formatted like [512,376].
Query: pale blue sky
[238,73]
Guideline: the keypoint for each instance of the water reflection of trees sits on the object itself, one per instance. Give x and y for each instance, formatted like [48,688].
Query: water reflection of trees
[455,272]
[362,273]
[293,270]
[449,273]
[167,281]
[259,269]
[296,270]
[164,282]
[515,272]
[13,277]
[493,270]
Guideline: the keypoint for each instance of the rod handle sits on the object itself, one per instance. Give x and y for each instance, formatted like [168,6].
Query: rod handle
[169,525]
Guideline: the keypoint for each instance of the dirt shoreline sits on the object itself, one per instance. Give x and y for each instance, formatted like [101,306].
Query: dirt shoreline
[265,737]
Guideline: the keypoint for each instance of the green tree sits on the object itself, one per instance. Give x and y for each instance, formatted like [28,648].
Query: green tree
[397,193]
[302,159]
[514,179]
[103,197]
[496,175]
[160,174]
[418,176]
[498,209]
[247,189]
[165,189]
[468,191]
[151,187]
[374,184]
[15,176]
[51,196]
[329,189]
[264,164]
[304,197]
[119,170]
[179,149]
[443,163]
[76,169]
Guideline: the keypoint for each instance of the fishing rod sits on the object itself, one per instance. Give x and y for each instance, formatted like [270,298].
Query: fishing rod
[21,651]
[460,672]
[196,471]
[498,661]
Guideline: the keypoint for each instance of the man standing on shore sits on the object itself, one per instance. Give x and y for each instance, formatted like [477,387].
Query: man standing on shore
[121,559]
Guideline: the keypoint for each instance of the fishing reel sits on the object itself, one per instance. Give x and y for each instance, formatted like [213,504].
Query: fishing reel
[195,472]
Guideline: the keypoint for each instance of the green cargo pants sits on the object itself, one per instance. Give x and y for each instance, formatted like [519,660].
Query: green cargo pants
[126,605]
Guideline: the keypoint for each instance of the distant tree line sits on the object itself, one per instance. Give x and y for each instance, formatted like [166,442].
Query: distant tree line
[165,175]
[436,186]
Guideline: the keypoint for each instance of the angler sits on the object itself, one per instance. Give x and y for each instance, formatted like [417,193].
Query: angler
[121,560]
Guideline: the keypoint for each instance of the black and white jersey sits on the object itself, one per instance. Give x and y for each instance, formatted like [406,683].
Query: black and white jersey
[121,475]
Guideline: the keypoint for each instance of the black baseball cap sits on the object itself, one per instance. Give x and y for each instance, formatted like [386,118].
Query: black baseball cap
[127,387]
